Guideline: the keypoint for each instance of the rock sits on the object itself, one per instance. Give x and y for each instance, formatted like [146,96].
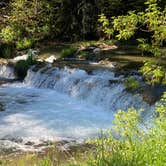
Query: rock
[3,4]
[108,63]
[3,61]
[109,48]
[91,48]
[25,56]
[6,80]
[51,59]
[29,143]
[152,94]
[1,107]
[96,50]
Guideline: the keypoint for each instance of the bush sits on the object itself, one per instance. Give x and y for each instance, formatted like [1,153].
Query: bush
[10,33]
[6,50]
[134,145]
[68,53]
[154,73]
[22,66]
[24,44]
[131,83]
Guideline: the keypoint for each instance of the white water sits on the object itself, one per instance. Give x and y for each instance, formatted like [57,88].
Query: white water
[7,72]
[95,89]
[55,104]
[38,115]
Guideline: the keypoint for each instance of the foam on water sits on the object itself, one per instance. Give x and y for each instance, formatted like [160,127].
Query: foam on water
[101,88]
[7,72]
[40,115]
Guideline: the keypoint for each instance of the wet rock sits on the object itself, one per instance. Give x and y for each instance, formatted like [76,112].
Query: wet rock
[2,107]
[5,81]
[108,63]
[114,81]
[25,56]
[29,143]
[152,94]
[96,50]
[51,59]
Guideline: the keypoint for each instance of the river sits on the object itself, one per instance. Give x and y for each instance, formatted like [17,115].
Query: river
[54,104]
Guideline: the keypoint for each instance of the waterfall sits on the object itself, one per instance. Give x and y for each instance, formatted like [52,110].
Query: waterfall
[55,104]
[100,87]
[7,72]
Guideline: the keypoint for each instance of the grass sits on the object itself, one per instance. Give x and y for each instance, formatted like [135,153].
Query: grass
[52,156]
[67,53]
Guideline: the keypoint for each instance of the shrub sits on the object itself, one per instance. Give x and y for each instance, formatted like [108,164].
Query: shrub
[134,145]
[131,83]
[6,51]
[154,73]
[68,53]
[24,44]
[9,34]
[22,66]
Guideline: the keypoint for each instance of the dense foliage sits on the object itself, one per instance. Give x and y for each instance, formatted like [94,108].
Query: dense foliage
[63,19]
[149,28]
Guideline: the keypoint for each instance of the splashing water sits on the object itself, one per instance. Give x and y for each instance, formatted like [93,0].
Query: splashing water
[56,104]
[7,72]
[101,88]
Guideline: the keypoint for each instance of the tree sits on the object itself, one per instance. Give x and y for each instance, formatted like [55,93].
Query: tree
[151,21]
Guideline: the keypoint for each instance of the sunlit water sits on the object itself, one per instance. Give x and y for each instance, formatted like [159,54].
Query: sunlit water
[61,104]
[39,115]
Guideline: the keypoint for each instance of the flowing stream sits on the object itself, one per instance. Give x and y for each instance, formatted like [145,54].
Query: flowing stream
[7,72]
[55,104]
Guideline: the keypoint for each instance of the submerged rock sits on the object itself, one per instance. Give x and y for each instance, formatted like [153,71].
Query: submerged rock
[2,107]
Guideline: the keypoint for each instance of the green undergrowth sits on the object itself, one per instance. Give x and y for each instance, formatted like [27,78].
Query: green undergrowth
[22,66]
[67,53]
[134,145]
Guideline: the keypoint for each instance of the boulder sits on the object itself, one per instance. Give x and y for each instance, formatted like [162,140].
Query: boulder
[96,50]
[51,59]
[25,56]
